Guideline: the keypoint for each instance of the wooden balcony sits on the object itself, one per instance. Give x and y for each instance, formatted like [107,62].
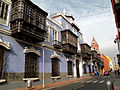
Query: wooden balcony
[69,42]
[28,21]
[85,50]
[98,56]
[57,44]
[94,55]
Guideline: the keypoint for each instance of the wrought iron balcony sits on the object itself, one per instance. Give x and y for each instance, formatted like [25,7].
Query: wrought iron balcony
[69,41]
[57,44]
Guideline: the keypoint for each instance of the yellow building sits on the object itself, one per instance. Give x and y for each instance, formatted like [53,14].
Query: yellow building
[111,63]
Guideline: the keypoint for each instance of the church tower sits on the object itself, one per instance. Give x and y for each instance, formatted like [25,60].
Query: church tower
[94,45]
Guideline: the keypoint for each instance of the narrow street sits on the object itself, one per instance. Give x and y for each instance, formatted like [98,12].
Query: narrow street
[96,83]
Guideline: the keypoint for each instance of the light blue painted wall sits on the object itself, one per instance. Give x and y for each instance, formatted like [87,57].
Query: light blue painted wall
[16,58]
[64,22]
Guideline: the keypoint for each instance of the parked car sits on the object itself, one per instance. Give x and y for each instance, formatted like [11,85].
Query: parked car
[106,73]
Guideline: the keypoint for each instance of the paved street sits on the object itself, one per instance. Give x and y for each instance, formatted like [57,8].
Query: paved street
[96,83]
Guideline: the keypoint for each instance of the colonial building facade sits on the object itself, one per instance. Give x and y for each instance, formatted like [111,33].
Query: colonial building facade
[33,44]
[97,62]
[116,11]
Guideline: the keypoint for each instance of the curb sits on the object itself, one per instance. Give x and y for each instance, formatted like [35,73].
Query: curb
[38,87]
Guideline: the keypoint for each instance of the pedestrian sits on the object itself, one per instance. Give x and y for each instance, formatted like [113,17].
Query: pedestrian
[115,72]
[118,72]
[95,73]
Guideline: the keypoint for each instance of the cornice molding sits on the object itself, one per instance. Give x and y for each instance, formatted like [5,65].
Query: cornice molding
[32,49]
[5,31]
[5,44]
[55,56]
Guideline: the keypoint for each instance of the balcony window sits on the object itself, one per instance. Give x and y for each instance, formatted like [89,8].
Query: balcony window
[55,34]
[3,10]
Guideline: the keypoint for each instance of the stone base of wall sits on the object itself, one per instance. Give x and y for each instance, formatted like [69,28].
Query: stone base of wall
[20,76]
[13,76]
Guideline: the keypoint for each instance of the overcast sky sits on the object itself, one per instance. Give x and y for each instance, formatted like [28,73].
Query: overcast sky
[94,18]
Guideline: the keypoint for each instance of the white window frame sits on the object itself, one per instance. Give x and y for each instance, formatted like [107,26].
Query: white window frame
[3,21]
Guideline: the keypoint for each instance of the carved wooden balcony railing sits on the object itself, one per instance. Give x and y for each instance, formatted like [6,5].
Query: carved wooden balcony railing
[85,50]
[28,21]
[69,42]
[57,44]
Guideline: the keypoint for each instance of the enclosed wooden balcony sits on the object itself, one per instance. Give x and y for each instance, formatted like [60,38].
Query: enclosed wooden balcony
[99,58]
[85,50]
[94,55]
[57,44]
[69,42]
[28,21]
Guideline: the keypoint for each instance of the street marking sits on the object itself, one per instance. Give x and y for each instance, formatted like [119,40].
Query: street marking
[101,81]
[95,81]
[83,82]
[88,81]
[78,87]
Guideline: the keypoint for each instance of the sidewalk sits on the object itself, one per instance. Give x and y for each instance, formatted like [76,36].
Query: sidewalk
[58,82]
[117,83]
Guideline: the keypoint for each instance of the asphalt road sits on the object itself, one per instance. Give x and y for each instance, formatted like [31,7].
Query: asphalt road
[96,83]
